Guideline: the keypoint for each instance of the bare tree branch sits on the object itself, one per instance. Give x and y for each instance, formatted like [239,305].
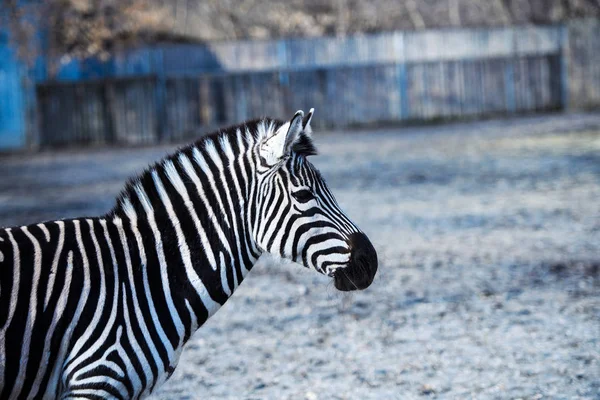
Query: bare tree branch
[414,14]
[84,28]
[454,11]
[503,11]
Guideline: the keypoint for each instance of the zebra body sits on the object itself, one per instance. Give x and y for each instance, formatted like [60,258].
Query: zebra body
[102,307]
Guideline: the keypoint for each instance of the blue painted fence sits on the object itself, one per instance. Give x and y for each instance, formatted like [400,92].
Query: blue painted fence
[167,92]
[149,109]
[12,102]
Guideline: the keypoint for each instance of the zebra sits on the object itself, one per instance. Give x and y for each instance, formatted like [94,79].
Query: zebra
[101,307]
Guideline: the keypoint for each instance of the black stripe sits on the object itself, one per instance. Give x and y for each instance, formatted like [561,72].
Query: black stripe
[41,325]
[178,280]
[138,283]
[155,281]
[6,276]
[59,284]
[192,239]
[199,258]
[16,328]
[138,270]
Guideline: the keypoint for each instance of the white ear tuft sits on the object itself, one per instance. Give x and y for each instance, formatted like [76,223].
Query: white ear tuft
[279,144]
[306,122]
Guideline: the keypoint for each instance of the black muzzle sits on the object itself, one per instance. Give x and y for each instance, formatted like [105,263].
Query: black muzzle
[361,270]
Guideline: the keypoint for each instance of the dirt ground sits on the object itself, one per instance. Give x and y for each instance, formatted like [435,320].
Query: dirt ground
[488,235]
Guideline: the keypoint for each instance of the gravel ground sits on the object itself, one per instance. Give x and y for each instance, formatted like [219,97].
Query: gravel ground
[488,235]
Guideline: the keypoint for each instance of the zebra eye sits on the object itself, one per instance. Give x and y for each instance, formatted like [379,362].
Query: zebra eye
[303,196]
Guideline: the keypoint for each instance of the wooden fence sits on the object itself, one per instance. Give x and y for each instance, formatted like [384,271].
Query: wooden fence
[164,95]
[109,111]
[582,64]
[328,51]
[147,109]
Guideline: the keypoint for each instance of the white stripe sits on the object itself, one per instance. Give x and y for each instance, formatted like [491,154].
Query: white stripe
[45,230]
[189,169]
[337,258]
[108,329]
[271,226]
[53,270]
[85,292]
[327,244]
[298,223]
[263,189]
[244,154]
[214,155]
[56,372]
[226,145]
[211,305]
[224,281]
[59,309]
[118,348]
[138,353]
[199,159]
[192,314]
[127,206]
[16,281]
[113,366]
[87,393]
[180,187]
[131,373]
[163,265]
[30,319]
[136,305]
[83,340]
[164,341]
[13,301]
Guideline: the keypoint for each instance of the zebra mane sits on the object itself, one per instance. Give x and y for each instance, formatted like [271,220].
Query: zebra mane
[252,130]
[305,146]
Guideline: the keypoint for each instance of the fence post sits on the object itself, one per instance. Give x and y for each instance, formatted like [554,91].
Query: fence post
[509,86]
[160,85]
[403,90]
[284,78]
[564,66]
[108,112]
[400,58]
[40,126]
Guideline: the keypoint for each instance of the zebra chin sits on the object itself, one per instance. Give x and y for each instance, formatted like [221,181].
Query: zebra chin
[361,270]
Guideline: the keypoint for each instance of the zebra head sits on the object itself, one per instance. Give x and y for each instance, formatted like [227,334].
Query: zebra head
[298,217]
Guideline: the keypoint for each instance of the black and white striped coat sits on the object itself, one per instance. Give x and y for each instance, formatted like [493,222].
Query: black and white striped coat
[101,307]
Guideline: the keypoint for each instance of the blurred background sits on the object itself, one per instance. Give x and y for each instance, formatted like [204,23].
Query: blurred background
[463,136]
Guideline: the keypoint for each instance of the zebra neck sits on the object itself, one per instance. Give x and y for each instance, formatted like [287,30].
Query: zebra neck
[194,210]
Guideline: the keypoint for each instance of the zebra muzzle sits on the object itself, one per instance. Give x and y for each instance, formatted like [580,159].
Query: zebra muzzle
[361,270]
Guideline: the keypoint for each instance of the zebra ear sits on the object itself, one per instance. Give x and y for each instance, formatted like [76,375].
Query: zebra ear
[279,144]
[306,122]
